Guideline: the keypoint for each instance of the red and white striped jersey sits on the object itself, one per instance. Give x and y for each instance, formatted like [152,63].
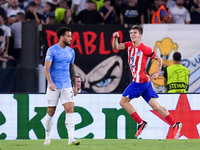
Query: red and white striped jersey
[137,59]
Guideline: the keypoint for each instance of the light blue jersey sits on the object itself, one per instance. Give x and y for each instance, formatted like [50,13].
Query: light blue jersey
[61,60]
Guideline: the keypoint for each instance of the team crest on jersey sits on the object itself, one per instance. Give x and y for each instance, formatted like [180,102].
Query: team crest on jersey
[48,54]
[70,54]
[138,53]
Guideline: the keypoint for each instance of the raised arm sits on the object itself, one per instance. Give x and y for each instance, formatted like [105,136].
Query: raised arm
[159,66]
[73,78]
[116,44]
[110,10]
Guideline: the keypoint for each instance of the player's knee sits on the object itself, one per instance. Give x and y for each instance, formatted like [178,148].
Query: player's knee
[156,107]
[69,110]
[51,113]
[123,101]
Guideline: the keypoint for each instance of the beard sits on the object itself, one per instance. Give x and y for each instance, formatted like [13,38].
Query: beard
[66,43]
[180,4]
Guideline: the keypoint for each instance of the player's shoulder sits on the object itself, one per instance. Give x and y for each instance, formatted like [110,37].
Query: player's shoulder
[128,43]
[53,48]
[143,46]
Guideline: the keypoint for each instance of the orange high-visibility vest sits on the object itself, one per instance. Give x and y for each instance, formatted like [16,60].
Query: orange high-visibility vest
[157,15]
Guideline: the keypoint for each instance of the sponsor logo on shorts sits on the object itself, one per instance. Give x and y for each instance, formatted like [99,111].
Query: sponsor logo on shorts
[49,101]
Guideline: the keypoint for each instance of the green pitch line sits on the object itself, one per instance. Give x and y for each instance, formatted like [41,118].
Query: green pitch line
[103,144]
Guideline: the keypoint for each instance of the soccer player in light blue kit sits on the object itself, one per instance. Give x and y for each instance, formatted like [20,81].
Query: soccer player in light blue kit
[60,74]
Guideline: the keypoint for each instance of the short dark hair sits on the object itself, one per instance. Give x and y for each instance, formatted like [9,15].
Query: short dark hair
[79,78]
[177,56]
[21,15]
[61,31]
[139,28]
[48,3]
[52,20]
[32,4]
[89,1]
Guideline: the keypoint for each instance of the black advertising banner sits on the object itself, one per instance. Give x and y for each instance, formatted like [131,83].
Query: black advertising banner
[102,68]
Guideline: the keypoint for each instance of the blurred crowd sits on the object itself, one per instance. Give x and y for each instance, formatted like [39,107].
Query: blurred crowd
[51,12]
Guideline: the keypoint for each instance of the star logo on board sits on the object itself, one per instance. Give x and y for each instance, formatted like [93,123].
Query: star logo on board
[189,118]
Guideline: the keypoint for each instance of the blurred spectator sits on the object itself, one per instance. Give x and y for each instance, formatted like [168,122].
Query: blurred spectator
[160,13]
[89,16]
[54,5]
[26,8]
[79,85]
[6,36]
[12,12]
[164,2]
[31,14]
[187,4]
[179,14]
[39,7]
[117,6]
[16,29]
[94,6]
[69,3]
[146,6]
[4,57]
[7,5]
[60,12]
[51,20]
[170,3]
[195,12]
[68,17]
[77,6]
[47,12]
[108,13]
[132,14]
[2,11]
[99,3]
[23,4]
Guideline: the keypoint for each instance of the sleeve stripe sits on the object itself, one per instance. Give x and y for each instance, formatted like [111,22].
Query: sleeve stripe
[151,54]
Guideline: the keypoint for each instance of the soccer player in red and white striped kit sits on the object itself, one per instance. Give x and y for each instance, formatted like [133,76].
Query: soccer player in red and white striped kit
[138,54]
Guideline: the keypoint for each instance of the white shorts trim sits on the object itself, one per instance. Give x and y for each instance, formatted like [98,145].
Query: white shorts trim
[66,95]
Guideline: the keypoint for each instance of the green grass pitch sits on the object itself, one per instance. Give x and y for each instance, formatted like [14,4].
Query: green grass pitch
[102,144]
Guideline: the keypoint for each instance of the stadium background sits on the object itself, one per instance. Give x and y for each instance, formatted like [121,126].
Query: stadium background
[22,113]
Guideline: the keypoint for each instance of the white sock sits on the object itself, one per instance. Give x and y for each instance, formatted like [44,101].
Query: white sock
[48,125]
[69,123]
